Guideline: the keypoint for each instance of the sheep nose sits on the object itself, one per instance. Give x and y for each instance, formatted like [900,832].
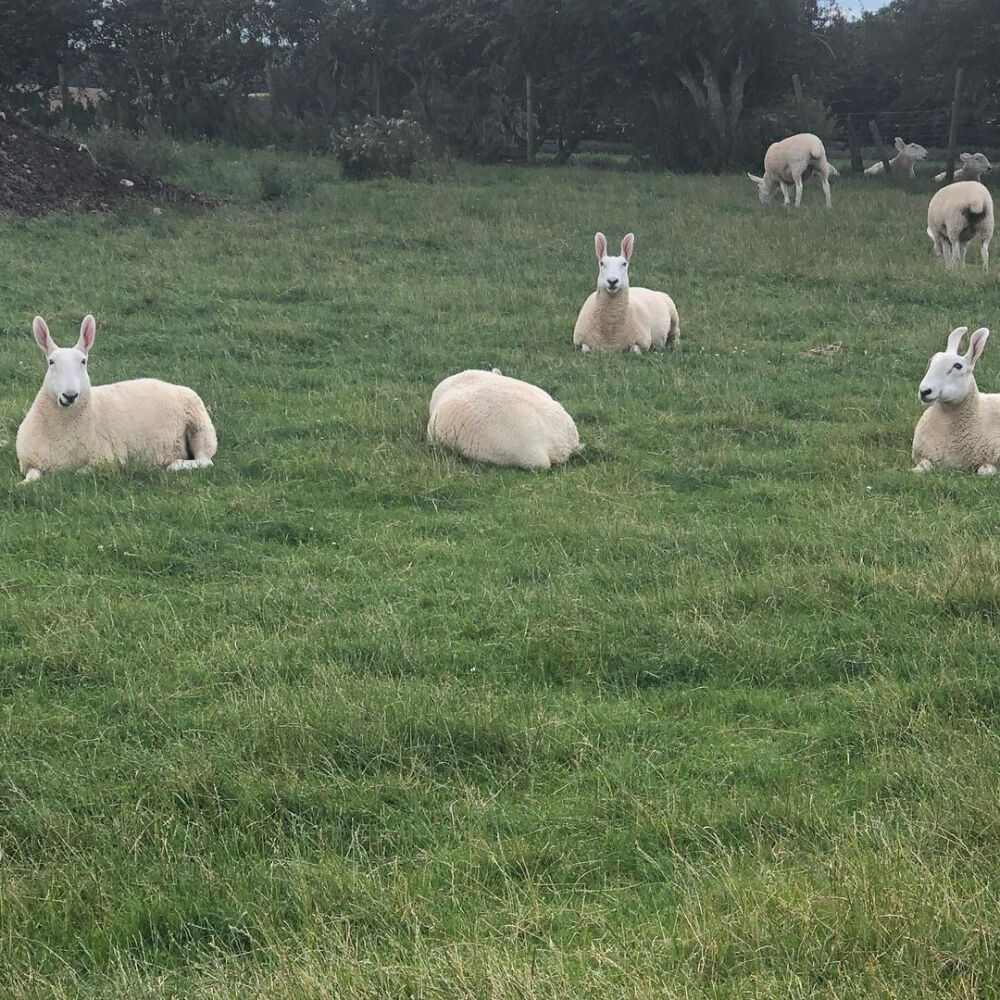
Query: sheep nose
[926,393]
[70,396]
[612,282]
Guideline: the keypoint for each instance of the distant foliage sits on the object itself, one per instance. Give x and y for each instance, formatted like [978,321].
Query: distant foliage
[769,124]
[385,147]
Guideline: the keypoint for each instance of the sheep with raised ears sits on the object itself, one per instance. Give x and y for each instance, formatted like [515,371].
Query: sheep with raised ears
[974,165]
[618,317]
[73,425]
[791,161]
[901,165]
[960,428]
[488,417]
[956,215]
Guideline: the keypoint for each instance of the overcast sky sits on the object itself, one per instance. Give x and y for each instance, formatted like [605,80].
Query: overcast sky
[857,6]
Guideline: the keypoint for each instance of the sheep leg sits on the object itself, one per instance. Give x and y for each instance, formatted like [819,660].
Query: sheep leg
[784,192]
[585,349]
[798,191]
[965,250]
[987,470]
[825,181]
[984,254]
[636,349]
[31,476]
[924,465]
[189,463]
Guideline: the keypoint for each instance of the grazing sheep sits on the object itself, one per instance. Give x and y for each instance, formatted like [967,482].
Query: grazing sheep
[902,163]
[956,215]
[617,317]
[489,417]
[791,161]
[961,426]
[974,165]
[73,426]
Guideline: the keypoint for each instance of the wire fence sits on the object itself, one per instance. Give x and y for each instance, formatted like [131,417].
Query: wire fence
[928,127]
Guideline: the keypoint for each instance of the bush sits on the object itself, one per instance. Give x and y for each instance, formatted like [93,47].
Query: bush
[766,125]
[385,147]
[128,153]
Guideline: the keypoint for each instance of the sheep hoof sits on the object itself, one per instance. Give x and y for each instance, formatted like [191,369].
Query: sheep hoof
[987,470]
[31,476]
[924,465]
[636,349]
[585,349]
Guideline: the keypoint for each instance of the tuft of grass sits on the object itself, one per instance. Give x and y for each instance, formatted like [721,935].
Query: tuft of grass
[711,712]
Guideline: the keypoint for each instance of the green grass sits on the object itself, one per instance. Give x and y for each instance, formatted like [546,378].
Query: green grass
[713,711]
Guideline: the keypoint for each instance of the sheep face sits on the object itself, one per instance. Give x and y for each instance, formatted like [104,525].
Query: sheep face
[910,150]
[67,377]
[764,188]
[977,162]
[949,374]
[612,275]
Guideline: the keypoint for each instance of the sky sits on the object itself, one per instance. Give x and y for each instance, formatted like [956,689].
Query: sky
[857,6]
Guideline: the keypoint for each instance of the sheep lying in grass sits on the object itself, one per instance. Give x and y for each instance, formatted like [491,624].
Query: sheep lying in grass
[791,161]
[617,317]
[957,214]
[73,426]
[901,165]
[974,165]
[960,428]
[489,417]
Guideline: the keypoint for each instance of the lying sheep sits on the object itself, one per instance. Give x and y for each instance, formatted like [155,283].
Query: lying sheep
[489,417]
[791,161]
[961,426]
[617,317]
[73,426]
[901,165]
[956,215]
[974,165]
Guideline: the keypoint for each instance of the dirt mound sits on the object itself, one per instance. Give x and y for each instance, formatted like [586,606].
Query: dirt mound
[40,173]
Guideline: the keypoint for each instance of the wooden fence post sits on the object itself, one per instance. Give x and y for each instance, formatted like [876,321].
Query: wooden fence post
[953,128]
[797,87]
[857,164]
[879,145]
[529,122]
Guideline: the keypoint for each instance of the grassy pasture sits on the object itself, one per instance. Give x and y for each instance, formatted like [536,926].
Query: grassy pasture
[714,711]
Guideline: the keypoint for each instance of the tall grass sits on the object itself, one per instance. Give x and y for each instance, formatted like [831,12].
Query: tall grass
[710,712]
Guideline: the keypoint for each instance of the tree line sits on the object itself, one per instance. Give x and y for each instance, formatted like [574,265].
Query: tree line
[691,84]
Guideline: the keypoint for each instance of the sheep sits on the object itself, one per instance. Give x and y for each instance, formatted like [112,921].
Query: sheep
[960,427]
[791,161]
[974,165]
[902,163]
[955,216]
[72,425]
[618,317]
[488,417]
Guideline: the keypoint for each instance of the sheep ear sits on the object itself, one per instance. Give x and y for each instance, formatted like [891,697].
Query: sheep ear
[42,336]
[628,242]
[88,331]
[755,178]
[900,145]
[955,338]
[600,245]
[976,344]
[965,156]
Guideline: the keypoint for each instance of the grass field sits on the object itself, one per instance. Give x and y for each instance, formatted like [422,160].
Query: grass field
[714,711]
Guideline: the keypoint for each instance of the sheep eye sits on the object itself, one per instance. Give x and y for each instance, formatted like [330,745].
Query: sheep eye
[957,366]
[51,362]
[84,361]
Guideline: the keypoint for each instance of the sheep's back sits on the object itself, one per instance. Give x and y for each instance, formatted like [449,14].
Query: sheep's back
[504,421]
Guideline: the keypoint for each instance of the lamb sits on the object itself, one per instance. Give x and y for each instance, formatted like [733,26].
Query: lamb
[488,417]
[791,161]
[617,317]
[960,428]
[73,426]
[955,216]
[974,165]
[901,165]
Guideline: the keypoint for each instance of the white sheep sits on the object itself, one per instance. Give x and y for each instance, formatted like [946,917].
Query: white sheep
[957,214]
[617,317]
[960,428]
[901,165]
[72,425]
[791,161]
[488,417]
[974,165]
